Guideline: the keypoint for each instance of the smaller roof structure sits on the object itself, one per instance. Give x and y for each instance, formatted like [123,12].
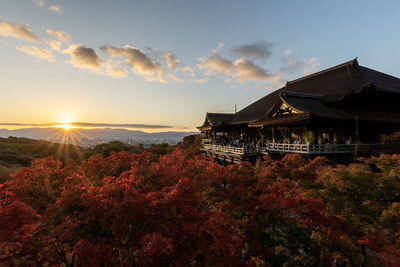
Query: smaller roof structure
[216,120]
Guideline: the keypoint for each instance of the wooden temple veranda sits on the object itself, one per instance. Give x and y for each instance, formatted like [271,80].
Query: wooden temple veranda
[339,111]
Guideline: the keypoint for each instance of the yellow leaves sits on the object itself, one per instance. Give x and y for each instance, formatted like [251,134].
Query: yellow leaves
[316,236]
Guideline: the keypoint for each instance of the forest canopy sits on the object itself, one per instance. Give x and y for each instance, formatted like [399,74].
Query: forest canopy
[178,208]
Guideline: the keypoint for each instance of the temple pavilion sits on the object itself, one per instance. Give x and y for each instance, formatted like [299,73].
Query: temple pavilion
[341,110]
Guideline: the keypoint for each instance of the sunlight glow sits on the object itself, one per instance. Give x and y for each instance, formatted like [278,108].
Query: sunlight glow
[65,117]
[66,126]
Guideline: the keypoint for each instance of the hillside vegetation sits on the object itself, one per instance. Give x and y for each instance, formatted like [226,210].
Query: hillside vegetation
[163,208]
[16,152]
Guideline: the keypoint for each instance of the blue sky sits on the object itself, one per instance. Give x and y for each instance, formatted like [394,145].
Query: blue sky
[169,62]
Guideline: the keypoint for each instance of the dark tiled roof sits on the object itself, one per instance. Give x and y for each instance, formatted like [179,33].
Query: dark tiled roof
[323,82]
[380,80]
[312,106]
[284,119]
[334,84]
[217,119]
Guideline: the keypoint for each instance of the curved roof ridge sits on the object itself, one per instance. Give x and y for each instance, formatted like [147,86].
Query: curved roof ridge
[220,113]
[302,95]
[352,62]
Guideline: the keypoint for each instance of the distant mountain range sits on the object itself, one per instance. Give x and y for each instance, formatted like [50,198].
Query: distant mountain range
[90,137]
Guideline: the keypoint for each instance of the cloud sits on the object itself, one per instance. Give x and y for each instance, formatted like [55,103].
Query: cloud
[186,69]
[242,69]
[60,35]
[248,71]
[56,9]
[204,80]
[21,31]
[277,80]
[40,2]
[84,57]
[217,64]
[114,69]
[312,65]
[92,125]
[171,61]
[189,70]
[291,63]
[173,78]
[140,63]
[219,48]
[37,52]
[122,125]
[54,44]
[256,50]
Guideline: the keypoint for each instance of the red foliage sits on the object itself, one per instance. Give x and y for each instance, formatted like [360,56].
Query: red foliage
[18,222]
[126,210]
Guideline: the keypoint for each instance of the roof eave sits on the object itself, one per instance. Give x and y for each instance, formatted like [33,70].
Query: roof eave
[305,116]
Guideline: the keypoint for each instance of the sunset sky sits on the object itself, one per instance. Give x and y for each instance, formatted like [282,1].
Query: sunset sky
[164,64]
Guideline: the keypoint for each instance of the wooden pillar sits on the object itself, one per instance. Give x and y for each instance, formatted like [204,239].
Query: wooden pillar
[319,136]
[357,129]
[273,134]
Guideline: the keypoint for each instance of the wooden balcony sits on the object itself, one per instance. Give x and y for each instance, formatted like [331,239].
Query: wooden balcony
[309,148]
[229,150]
[246,152]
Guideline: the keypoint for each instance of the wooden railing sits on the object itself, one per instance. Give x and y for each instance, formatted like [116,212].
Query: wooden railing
[310,149]
[281,147]
[205,141]
[225,149]
[295,148]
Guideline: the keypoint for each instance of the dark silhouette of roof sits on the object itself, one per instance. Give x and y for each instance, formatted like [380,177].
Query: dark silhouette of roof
[309,107]
[334,93]
[216,120]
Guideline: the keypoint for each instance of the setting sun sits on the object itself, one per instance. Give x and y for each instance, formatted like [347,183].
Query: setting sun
[66,126]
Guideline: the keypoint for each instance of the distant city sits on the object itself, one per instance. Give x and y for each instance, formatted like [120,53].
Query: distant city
[91,137]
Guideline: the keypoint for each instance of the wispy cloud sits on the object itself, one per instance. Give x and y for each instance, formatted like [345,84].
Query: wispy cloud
[38,52]
[60,38]
[291,63]
[114,69]
[60,35]
[312,65]
[171,77]
[276,80]
[53,8]
[56,9]
[40,2]
[91,125]
[256,50]
[122,125]
[204,80]
[171,61]
[20,31]
[54,44]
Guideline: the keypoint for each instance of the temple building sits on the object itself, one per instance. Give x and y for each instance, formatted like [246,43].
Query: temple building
[341,110]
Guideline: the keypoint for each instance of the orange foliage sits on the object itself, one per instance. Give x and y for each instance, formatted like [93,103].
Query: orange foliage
[182,210]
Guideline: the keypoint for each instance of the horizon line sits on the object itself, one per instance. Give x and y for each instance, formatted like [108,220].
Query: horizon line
[90,125]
